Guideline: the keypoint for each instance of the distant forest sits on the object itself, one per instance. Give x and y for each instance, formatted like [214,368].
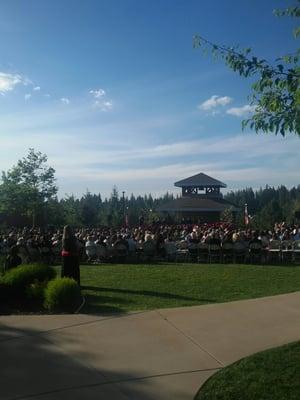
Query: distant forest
[266,206]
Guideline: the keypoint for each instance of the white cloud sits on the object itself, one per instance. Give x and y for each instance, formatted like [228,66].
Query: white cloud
[27,96]
[47,95]
[215,101]
[97,93]
[170,171]
[115,163]
[241,111]
[144,162]
[37,88]
[129,165]
[64,100]
[9,81]
[104,105]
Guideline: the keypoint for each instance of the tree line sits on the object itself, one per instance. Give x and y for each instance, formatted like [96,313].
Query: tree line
[28,196]
[268,205]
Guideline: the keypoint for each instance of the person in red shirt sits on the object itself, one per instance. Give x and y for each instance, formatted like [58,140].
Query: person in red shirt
[70,255]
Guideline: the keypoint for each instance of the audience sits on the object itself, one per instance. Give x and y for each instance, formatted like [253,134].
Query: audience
[162,240]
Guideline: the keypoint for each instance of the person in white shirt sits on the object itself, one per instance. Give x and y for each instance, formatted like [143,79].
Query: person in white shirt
[91,249]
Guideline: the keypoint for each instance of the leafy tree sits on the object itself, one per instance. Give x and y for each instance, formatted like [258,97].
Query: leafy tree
[227,215]
[276,94]
[55,213]
[27,187]
[71,210]
[13,197]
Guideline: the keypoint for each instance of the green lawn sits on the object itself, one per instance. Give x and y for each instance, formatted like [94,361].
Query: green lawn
[269,375]
[121,288]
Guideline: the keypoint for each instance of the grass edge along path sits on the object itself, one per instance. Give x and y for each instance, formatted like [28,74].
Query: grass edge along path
[268,375]
[111,288]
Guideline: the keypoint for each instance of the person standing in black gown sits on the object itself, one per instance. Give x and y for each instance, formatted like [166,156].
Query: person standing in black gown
[70,255]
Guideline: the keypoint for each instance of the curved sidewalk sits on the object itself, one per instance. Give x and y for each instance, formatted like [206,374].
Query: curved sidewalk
[152,355]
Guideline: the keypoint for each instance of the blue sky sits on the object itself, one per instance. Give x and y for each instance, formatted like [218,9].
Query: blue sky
[114,93]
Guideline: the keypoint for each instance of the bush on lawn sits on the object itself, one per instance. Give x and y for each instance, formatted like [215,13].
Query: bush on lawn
[17,280]
[62,294]
[35,291]
[2,261]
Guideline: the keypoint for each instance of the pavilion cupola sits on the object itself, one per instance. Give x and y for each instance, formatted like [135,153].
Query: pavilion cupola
[201,185]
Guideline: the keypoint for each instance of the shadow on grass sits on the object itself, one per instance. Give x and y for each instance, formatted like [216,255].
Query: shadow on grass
[96,304]
[102,309]
[150,293]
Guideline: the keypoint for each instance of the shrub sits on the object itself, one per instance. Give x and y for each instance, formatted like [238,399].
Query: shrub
[18,279]
[4,293]
[35,290]
[2,261]
[62,294]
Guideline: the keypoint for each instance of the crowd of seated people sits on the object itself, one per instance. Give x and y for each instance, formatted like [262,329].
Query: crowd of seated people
[205,242]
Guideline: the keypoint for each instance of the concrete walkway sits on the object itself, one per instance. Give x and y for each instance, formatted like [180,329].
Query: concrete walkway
[154,355]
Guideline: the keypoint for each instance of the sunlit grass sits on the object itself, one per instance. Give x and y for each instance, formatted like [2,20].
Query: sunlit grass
[121,288]
[268,375]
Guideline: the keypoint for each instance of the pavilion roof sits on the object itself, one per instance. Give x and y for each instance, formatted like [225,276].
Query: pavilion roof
[197,203]
[200,180]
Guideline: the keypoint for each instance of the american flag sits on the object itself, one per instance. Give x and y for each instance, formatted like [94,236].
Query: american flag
[246,215]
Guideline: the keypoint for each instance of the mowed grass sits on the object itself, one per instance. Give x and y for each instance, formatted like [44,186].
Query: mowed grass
[268,375]
[122,288]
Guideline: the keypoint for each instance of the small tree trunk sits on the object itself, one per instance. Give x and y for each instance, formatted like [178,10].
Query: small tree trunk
[33,219]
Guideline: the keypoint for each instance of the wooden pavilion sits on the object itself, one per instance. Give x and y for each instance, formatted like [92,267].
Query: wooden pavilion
[201,201]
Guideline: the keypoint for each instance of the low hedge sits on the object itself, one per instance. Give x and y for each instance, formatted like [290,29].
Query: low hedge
[17,280]
[62,294]
[35,291]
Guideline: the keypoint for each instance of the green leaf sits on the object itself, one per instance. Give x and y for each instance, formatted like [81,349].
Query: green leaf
[296,32]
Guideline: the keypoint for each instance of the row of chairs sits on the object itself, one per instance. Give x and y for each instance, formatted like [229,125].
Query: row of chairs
[238,252]
[279,252]
[285,250]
